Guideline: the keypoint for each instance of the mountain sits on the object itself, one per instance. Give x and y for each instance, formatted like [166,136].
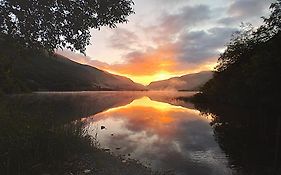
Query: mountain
[185,82]
[58,73]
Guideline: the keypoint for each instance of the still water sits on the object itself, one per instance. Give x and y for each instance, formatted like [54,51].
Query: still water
[165,136]
[168,134]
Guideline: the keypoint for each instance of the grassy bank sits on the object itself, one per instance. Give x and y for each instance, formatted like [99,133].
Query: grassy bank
[39,145]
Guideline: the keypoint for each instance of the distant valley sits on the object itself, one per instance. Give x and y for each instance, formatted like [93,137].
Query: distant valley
[189,82]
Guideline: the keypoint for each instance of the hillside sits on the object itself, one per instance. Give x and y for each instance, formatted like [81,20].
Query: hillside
[57,73]
[185,82]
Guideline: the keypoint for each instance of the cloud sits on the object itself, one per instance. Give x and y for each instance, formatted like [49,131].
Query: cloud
[123,39]
[248,8]
[189,52]
[246,11]
[230,20]
[192,50]
[197,46]
[165,53]
[170,24]
[148,62]
[188,16]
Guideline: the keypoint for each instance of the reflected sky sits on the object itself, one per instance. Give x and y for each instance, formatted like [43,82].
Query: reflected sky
[161,135]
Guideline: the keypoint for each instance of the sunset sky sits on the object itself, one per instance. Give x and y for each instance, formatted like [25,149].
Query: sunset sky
[167,38]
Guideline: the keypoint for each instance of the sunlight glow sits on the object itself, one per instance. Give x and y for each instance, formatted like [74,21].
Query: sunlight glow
[145,80]
[160,106]
[164,75]
[150,114]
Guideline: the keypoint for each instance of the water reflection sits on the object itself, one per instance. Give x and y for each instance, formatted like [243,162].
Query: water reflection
[159,129]
[249,137]
[166,136]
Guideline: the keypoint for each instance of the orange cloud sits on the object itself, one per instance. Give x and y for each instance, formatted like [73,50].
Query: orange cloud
[145,67]
[148,63]
[150,69]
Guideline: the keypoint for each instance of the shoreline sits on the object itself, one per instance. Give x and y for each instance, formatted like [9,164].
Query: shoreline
[101,162]
[38,145]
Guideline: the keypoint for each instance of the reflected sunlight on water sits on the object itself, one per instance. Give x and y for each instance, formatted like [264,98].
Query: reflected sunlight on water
[165,136]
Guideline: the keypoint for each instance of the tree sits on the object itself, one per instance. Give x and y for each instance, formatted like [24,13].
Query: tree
[242,42]
[273,23]
[249,70]
[51,24]
[245,40]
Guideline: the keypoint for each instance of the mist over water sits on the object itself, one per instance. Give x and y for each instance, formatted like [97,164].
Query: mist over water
[164,132]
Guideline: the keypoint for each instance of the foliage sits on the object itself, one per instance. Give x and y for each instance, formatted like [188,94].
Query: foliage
[50,24]
[28,143]
[273,23]
[249,70]
[9,82]
[244,41]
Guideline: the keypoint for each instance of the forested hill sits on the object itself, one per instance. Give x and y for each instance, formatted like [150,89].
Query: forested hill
[41,72]
[189,82]
[254,79]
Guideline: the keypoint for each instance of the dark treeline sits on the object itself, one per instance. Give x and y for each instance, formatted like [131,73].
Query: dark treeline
[249,71]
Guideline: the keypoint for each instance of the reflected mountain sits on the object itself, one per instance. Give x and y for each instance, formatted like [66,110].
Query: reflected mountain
[69,106]
[66,107]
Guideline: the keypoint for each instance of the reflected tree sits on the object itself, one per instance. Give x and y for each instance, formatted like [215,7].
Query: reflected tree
[250,138]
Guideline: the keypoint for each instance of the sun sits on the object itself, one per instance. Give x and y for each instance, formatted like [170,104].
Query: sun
[162,75]
[145,80]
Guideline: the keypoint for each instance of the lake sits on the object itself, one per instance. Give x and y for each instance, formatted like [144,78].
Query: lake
[166,133]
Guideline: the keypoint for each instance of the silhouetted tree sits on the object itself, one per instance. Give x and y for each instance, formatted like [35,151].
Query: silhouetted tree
[247,38]
[273,23]
[241,42]
[248,72]
[50,24]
